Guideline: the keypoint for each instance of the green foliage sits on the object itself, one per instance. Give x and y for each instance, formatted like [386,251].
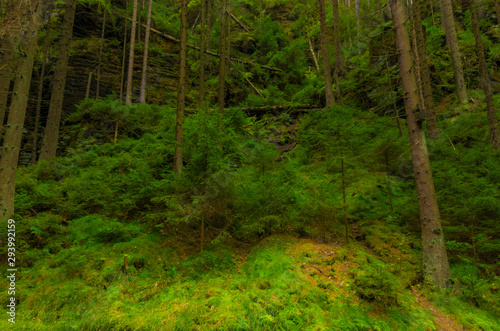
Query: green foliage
[92,228]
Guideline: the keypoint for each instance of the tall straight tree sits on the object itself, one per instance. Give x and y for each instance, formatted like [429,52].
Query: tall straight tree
[6,66]
[9,154]
[435,260]
[128,91]
[98,85]
[181,92]
[424,71]
[497,10]
[142,98]
[451,37]
[203,47]
[51,137]
[485,76]
[46,55]
[222,57]
[327,71]
[339,62]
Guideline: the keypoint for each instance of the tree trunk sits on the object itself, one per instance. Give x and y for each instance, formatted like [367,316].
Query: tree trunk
[222,58]
[228,39]
[451,37]
[485,77]
[5,75]
[358,26]
[497,9]
[435,260]
[339,62]
[100,55]
[203,48]
[128,93]
[14,132]
[181,93]
[313,54]
[425,75]
[46,55]
[327,73]
[56,100]
[124,56]
[142,98]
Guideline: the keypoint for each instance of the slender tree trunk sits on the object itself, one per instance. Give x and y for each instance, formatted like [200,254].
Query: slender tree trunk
[142,98]
[313,54]
[56,100]
[358,26]
[425,75]
[14,131]
[203,48]
[396,113]
[485,77]
[435,260]
[181,93]
[451,37]
[327,73]
[6,68]
[100,55]
[497,9]
[339,62]
[124,57]
[222,58]
[46,55]
[128,93]
[228,54]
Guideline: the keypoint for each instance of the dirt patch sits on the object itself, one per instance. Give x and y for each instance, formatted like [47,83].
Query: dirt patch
[442,321]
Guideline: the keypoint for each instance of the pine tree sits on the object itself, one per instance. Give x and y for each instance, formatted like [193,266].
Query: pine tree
[51,137]
[142,98]
[181,92]
[435,260]
[128,91]
[327,73]
[451,37]
[222,57]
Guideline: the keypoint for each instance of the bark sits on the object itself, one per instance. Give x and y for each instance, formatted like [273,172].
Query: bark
[435,261]
[142,98]
[330,100]
[222,58]
[17,113]
[124,57]
[100,55]
[128,93]
[485,77]
[425,74]
[451,37]
[181,93]
[497,10]
[203,56]
[239,22]
[6,66]
[46,55]
[56,100]
[313,54]
[339,62]
[228,39]
[358,26]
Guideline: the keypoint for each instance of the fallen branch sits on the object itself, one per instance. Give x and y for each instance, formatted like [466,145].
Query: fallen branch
[238,21]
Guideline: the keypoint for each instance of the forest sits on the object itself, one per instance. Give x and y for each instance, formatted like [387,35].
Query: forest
[250,164]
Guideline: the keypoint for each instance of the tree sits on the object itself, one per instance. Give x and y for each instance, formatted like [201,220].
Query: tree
[339,62]
[142,98]
[128,91]
[100,54]
[181,93]
[330,100]
[435,260]
[424,71]
[451,37]
[203,47]
[7,63]
[51,137]
[17,112]
[497,10]
[485,77]
[222,57]
[46,55]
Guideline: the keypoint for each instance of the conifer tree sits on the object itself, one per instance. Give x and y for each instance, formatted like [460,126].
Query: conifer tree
[451,37]
[51,137]
[181,92]
[142,98]
[435,261]
[128,91]
[9,154]
[222,57]
[327,73]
